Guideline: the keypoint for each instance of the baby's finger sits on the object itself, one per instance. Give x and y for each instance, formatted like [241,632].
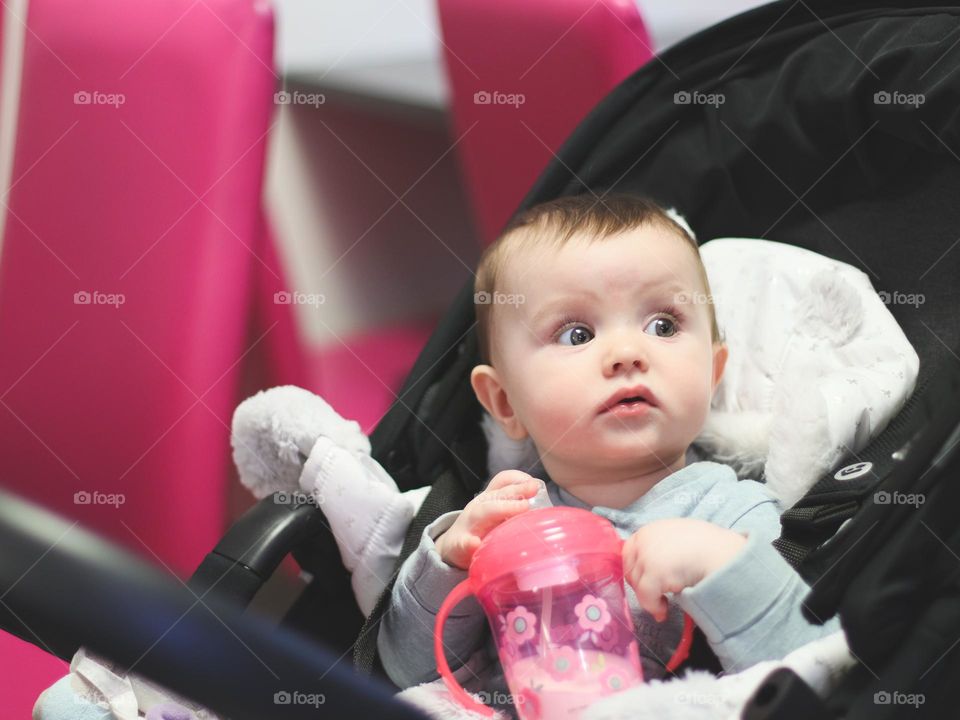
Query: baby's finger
[518,491]
[491,513]
[650,596]
[508,477]
[460,549]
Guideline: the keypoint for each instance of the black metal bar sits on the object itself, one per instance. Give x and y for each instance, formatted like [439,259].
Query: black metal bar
[73,588]
[256,544]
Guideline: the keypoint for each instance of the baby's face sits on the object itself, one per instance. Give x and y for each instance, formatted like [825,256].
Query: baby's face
[597,319]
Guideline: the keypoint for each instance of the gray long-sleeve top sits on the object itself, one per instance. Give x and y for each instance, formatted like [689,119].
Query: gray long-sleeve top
[749,609]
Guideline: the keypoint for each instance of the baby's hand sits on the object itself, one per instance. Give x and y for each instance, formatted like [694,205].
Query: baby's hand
[669,555]
[508,494]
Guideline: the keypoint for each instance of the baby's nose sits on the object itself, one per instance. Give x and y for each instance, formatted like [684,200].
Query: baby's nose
[626,357]
[620,365]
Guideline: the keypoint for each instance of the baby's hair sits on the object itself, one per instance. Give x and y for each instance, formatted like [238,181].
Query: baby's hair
[553,224]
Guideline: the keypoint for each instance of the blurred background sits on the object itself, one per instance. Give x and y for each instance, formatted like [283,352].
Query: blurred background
[202,199]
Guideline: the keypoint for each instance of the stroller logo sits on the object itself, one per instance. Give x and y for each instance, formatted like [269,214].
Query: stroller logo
[498,298]
[99,498]
[898,498]
[883,97]
[853,471]
[695,97]
[82,297]
[483,97]
[298,698]
[898,698]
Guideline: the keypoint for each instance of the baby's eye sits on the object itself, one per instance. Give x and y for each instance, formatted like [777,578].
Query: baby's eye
[578,335]
[664,326]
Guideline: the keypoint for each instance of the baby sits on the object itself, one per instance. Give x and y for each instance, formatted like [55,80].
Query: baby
[599,342]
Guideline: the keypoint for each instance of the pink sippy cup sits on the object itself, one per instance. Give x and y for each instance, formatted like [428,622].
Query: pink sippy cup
[551,584]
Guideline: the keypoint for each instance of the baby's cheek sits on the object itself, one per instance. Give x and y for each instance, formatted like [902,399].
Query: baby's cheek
[694,395]
[555,417]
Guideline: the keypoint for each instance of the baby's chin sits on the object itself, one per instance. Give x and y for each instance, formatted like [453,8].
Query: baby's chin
[619,460]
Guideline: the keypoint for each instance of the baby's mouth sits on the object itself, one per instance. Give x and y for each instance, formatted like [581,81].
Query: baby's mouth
[629,397]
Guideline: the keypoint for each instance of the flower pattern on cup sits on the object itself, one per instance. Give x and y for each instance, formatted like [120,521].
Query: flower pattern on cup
[592,613]
[562,662]
[519,625]
[606,639]
[613,680]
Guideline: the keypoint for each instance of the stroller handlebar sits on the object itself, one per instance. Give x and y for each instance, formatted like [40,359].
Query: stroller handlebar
[256,544]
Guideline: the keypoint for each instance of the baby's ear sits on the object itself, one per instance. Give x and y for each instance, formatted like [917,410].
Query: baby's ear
[493,396]
[720,354]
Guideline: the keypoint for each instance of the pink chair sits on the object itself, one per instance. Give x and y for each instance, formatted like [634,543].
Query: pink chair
[135,274]
[523,74]
[138,277]
[134,243]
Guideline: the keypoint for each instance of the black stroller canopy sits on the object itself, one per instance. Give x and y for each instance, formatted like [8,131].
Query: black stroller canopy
[834,128]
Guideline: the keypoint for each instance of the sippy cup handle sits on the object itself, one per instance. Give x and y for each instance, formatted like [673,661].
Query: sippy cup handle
[683,648]
[458,594]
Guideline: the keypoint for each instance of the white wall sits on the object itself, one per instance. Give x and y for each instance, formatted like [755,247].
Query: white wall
[319,33]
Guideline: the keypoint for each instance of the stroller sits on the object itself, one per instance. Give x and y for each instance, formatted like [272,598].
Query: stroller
[836,134]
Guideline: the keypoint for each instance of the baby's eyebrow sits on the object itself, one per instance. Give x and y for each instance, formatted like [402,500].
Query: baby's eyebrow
[663,284]
[554,305]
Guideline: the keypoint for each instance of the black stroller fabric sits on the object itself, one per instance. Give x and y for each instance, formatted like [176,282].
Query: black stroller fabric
[837,133]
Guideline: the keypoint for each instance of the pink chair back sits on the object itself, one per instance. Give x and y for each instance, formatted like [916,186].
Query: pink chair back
[523,74]
[133,244]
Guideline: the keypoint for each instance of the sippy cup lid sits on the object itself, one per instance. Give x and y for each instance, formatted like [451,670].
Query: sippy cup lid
[540,546]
